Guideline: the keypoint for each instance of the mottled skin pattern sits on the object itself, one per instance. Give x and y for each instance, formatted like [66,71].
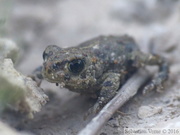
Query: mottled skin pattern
[99,67]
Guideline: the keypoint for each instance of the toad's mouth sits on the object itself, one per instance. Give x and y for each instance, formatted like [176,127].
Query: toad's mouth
[52,77]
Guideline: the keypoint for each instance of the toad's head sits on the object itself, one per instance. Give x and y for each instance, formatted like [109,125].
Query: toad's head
[70,67]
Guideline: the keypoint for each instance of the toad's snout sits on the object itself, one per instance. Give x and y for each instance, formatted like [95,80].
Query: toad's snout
[50,74]
[47,68]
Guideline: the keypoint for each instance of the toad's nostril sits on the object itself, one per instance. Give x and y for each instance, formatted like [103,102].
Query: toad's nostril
[56,66]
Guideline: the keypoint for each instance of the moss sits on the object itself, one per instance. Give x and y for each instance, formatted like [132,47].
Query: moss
[9,94]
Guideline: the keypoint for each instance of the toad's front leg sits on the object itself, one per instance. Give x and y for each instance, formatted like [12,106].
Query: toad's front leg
[108,91]
[37,75]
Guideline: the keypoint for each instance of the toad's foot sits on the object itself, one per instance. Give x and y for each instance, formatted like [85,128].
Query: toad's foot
[142,59]
[37,75]
[156,83]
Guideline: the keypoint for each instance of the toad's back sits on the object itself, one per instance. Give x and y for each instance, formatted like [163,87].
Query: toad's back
[110,49]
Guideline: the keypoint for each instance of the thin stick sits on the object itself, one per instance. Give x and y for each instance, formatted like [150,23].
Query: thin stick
[125,93]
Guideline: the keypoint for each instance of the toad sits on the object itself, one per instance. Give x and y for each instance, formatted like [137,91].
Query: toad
[99,67]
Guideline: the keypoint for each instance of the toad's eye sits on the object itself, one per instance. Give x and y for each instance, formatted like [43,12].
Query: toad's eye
[76,66]
[44,55]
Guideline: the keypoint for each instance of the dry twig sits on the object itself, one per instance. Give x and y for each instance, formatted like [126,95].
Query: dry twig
[125,93]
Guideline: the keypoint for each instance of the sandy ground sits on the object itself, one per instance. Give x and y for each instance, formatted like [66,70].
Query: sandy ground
[35,24]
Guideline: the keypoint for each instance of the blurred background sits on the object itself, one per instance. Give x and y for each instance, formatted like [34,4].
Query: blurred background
[35,24]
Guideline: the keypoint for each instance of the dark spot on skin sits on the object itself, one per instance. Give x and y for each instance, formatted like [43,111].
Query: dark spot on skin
[84,54]
[54,66]
[101,55]
[129,48]
[120,42]
[83,75]
[108,83]
[49,71]
[66,77]
[62,64]
[129,63]
[58,64]
[97,52]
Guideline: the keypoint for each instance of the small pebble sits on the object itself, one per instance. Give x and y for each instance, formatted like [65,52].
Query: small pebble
[148,111]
